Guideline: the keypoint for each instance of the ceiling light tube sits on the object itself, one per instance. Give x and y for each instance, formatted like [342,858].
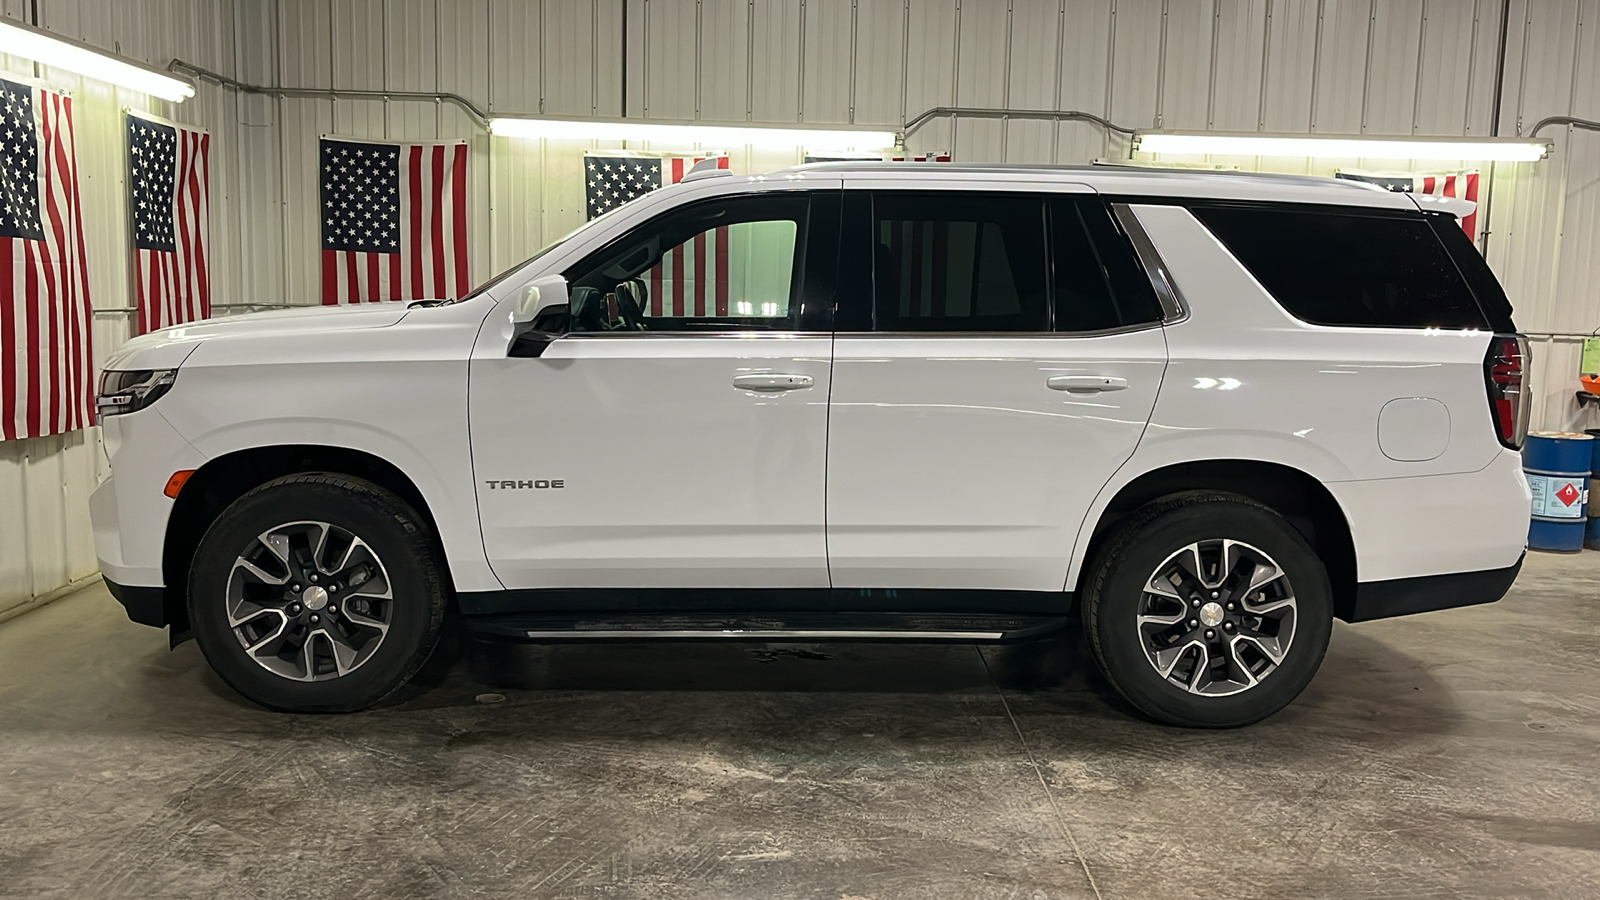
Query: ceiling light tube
[693,133]
[46,49]
[1431,148]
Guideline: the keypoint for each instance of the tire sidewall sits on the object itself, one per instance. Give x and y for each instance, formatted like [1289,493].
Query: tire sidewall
[380,520]
[1121,593]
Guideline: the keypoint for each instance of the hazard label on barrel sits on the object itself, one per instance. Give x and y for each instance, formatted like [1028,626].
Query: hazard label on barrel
[1557,496]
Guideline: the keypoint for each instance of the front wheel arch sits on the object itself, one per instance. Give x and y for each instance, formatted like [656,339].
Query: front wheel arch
[221,481]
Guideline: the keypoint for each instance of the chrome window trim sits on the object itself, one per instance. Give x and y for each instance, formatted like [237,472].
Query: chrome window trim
[1173,307]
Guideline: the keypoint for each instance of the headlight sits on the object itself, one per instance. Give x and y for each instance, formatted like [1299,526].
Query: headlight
[126,392]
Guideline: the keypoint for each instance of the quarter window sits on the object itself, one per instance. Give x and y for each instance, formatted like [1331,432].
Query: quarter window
[1098,282]
[955,261]
[722,264]
[1338,268]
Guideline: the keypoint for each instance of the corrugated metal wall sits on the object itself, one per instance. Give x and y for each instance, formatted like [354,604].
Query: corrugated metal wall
[45,539]
[1326,66]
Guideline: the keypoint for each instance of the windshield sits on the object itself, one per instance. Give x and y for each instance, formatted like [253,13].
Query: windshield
[478,291]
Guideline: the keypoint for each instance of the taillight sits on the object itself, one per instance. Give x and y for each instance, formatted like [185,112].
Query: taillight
[1505,370]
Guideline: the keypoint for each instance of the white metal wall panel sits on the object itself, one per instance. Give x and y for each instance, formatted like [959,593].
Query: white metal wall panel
[829,54]
[1084,82]
[1235,95]
[671,29]
[983,50]
[880,61]
[1138,36]
[1187,68]
[1032,79]
[930,73]
[1343,44]
[1290,73]
[358,66]
[730,32]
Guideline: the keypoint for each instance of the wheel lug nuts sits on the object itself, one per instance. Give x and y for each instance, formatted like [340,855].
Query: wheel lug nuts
[313,579]
[1230,606]
[1194,623]
[1210,633]
[315,617]
[1227,626]
[1194,602]
[294,608]
[333,589]
[1214,595]
[294,587]
[333,610]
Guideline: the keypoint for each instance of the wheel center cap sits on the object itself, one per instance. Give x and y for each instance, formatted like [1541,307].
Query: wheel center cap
[316,598]
[1210,614]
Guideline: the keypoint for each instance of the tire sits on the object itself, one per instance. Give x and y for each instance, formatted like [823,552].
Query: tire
[371,627]
[1231,542]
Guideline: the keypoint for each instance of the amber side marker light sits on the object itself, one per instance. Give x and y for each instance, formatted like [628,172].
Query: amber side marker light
[176,483]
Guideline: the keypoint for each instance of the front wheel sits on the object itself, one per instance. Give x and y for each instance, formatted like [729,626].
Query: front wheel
[1208,610]
[316,593]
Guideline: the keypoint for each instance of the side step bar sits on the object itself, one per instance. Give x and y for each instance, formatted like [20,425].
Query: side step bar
[777,627]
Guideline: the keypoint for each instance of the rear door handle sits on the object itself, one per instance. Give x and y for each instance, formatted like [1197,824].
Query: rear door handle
[772,382]
[1086,384]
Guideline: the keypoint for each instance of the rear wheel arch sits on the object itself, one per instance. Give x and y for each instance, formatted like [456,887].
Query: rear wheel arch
[1298,497]
[226,478]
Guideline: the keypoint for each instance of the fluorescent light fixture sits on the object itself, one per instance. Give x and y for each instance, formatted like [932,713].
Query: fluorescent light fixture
[46,49]
[693,133]
[1248,144]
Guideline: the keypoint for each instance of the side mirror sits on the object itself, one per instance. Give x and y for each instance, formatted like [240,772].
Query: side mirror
[539,316]
[539,295]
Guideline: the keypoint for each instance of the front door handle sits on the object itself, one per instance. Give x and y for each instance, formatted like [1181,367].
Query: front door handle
[772,382]
[1086,384]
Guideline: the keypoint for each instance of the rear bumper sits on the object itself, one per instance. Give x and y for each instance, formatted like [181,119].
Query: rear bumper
[145,605]
[1407,596]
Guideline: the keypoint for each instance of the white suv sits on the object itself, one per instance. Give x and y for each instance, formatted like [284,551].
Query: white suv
[852,401]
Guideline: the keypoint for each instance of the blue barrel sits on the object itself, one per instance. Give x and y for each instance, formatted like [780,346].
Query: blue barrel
[1557,465]
[1591,532]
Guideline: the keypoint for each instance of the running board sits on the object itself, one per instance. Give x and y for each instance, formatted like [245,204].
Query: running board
[777,627]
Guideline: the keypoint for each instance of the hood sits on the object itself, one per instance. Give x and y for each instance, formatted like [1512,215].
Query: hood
[169,347]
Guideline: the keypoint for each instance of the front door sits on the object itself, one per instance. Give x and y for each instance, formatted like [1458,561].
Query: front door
[1008,364]
[677,436]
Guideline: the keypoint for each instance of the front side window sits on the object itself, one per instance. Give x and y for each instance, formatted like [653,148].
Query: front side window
[959,261]
[1330,267]
[730,263]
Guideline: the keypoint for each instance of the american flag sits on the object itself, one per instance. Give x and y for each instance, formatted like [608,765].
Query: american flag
[44,316]
[692,278]
[1462,184]
[394,221]
[169,190]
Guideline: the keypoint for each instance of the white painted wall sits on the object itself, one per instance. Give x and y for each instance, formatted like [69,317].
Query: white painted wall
[1325,66]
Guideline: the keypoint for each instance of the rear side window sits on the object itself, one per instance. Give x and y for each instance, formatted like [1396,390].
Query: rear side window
[1339,268]
[958,261]
[1098,282]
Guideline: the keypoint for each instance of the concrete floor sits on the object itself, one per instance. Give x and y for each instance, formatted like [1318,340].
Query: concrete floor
[1449,755]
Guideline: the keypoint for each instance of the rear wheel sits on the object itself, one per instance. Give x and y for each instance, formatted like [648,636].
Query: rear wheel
[316,593]
[1208,610]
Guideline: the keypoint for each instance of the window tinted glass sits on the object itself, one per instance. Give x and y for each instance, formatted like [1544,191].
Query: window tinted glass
[716,265]
[957,261]
[1333,268]
[1098,281]
[1485,287]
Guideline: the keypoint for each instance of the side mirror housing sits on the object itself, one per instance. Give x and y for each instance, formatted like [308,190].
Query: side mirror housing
[539,316]
[539,295]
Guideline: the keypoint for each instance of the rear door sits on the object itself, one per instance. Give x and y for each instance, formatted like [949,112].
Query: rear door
[997,358]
